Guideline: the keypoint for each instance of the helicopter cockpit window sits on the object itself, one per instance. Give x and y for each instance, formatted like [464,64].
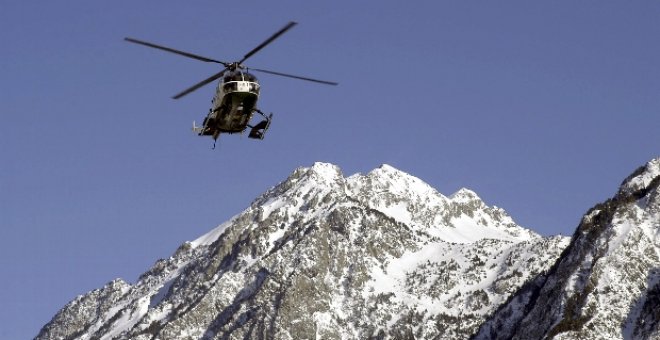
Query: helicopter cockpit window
[254,88]
[230,87]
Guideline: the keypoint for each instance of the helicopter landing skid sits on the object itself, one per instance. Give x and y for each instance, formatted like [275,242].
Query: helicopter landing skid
[259,131]
[205,131]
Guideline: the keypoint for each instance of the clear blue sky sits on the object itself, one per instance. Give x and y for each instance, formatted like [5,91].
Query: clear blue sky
[542,109]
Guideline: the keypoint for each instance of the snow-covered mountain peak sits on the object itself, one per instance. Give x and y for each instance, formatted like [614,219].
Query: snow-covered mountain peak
[326,171]
[304,182]
[387,185]
[641,178]
[397,180]
[319,174]
[463,218]
[388,171]
[324,256]
[464,195]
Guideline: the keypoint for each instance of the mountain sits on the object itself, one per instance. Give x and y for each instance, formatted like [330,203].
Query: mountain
[606,285]
[321,255]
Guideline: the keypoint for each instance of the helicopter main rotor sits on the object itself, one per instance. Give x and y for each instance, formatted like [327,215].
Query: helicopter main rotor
[229,66]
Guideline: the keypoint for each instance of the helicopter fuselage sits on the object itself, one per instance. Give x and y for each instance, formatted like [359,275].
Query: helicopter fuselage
[233,104]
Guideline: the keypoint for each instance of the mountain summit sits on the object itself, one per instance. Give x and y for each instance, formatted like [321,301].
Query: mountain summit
[321,255]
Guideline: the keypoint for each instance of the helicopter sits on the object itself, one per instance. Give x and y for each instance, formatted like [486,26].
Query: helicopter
[235,99]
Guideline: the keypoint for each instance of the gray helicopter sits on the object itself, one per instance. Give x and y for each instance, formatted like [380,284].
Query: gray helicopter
[235,99]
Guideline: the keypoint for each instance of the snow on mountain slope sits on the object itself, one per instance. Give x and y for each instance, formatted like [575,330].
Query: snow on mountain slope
[463,218]
[607,283]
[324,256]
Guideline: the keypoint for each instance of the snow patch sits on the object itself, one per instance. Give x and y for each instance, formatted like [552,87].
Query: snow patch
[466,230]
[128,319]
[160,294]
[212,236]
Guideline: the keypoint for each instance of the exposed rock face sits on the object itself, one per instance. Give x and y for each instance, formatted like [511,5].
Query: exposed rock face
[384,255]
[606,284]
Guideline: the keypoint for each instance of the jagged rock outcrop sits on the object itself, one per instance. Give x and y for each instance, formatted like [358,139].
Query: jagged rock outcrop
[381,255]
[606,284]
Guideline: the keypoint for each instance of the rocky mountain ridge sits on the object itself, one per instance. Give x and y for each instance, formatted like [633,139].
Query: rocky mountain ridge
[320,255]
[606,284]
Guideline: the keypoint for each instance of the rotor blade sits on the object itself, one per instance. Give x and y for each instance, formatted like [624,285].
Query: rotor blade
[185,54]
[269,40]
[200,84]
[295,77]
